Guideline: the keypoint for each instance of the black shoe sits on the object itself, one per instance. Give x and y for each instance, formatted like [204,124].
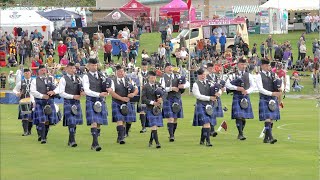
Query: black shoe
[272,141]
[43,141]
[158,146]
[72,144]
[171,139]
[209,144]
[214,134]
[96,148]
[122,142]
[241,137]
[201,142]
[39,138]
[143,130]
[266,141]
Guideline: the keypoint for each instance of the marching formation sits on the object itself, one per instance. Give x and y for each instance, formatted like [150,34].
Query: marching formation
[153,98]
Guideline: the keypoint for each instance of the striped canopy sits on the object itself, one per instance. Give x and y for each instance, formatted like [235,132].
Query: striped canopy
[246,9]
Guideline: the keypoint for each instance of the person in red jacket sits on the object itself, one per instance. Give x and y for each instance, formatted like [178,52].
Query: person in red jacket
[36,62]
[62,49]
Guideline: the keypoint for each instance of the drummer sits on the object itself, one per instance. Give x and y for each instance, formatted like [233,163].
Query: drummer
[22,90]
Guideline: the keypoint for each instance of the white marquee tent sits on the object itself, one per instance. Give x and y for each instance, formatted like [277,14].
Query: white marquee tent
[26,19]
[292,5]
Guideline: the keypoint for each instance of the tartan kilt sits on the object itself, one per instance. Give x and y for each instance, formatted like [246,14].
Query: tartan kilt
[264,112]
[200,116]
[68,117]
[92,116]
[24,116]
[117,116]
[237,112]
[167,108]
[218,110]
[154,120]
[40,117]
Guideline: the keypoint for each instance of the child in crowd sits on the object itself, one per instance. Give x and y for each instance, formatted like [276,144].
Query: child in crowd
[296,79]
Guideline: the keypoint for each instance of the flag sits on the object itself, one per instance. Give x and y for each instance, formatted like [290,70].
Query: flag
[189,4]
[223,125]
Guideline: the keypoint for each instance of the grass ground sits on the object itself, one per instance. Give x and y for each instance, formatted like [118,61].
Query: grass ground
[294,157]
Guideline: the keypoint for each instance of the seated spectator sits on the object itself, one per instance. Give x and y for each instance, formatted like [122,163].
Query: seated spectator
[109,70]
[50,61]
[64,61]
[296,85]
[12,62]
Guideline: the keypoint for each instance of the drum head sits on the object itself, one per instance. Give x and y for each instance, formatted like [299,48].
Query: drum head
[209,110]
[47,110]
[176,107]
[272,105]
[156,110]
[97,107]
[74,110]
[244,103]
[124,110]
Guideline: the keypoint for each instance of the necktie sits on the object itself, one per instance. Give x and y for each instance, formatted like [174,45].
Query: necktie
[95,75]
[121,82]
[27,81]
[73,78]
[204,82]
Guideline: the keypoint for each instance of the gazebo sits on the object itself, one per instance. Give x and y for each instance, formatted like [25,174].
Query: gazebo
[175,8]
[135,9]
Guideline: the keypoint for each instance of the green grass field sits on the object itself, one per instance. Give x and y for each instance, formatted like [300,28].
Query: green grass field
[293,158]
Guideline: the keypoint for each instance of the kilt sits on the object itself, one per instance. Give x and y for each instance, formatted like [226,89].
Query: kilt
[218,110]
[200,116]
[117,116]
[167,108]
[264,112]
[237,112]
[24,116]
[68,117]
[92,116]
[154,120]
[40,117]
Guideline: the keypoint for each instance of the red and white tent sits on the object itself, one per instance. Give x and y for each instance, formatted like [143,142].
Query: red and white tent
[135,9]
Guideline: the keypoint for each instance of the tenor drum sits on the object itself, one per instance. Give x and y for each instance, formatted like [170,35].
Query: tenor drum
[25,106]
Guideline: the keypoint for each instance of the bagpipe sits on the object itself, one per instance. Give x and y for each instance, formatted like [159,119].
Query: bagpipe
[181,79]
[49,82]
[105,84]
[159,92]
[277,83]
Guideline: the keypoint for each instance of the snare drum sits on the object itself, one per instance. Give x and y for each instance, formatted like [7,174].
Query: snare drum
[25,106]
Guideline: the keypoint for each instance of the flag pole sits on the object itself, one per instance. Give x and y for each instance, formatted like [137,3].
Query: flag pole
[189,57]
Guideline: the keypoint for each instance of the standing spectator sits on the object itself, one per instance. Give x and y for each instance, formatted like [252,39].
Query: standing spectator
[55,37]
[162,54]
[29,48]
[262,50]
[3,44]
[115,32]
[11,80]
[64,61]
[222,41]
[49,46]
[287,57]
[80,38]
[213,41]
[107,34]
[169,32]
[36,62]
[62,49]
[169,47]
[270,43]
[65,34]
[132,51]
[13,48]
[107,52]
[124,49]
[303,50]
[314,45]
[74,49]
[36,47]
[3,80]
[22,52]
[307,22]
[278,54]
[298,45]
[163,35]
[37,34]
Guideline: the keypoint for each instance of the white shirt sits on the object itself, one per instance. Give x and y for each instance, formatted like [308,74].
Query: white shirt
[249,91]
[125,34]
[119,82]
[61,88]
[86,85]
[169,32]
[197,94]
[17,89]
[168,89]
[33,89]
[260,85]
[183,54]
[144,56]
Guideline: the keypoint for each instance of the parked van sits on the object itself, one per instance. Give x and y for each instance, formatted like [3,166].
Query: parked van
[203,29]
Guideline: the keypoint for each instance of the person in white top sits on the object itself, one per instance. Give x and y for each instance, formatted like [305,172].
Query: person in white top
[22,90]
[241,104]
[96,111]
[169,32]
[183,54]
[45,112]
[125,34]
[201,90]
[70,88]
[307,21]
[268,104]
